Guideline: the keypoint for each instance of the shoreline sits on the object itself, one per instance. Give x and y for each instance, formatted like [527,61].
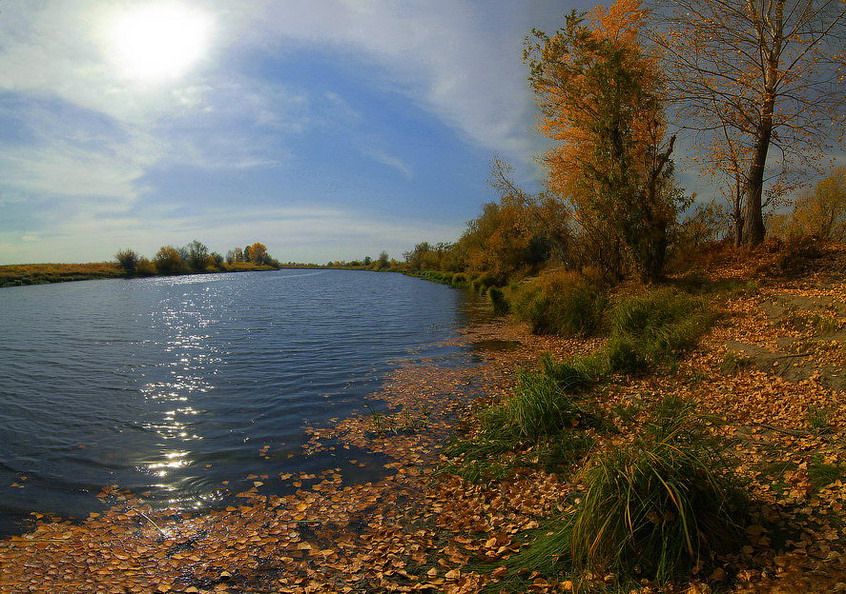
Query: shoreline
[424,530]
[25,275]
[123,543]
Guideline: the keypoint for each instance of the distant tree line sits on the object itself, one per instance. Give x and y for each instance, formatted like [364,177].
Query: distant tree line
[194,258]
[382,262]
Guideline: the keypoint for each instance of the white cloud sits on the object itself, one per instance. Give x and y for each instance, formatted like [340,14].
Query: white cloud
[454,59]
[69,157]
[63,170]
[447,55]
[391,161]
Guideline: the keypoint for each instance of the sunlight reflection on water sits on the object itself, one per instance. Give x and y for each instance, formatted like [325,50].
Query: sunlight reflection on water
[171,386]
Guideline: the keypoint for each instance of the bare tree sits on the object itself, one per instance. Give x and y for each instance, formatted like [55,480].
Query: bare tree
[751,75]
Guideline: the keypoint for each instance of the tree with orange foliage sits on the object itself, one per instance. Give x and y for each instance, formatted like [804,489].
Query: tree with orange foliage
[517,234]
[256,253]
[822,212]
[751,75]
[601,97]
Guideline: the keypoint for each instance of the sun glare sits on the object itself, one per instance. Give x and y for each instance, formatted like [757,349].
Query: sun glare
[158,41]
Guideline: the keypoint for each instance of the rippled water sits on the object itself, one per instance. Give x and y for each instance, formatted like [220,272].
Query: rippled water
[170,386]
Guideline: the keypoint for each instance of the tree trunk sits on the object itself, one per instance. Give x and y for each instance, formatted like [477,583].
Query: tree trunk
[738,230]
[769,25]
[753,224]
[737,207]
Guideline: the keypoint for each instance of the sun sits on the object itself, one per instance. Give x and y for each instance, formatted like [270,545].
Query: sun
[158,41]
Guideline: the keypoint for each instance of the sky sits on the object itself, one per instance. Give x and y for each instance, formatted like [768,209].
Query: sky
[329,129]
[325,129]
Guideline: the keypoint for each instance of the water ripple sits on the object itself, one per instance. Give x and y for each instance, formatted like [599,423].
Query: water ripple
[171,385]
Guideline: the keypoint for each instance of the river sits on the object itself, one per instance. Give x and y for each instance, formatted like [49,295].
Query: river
[180,388]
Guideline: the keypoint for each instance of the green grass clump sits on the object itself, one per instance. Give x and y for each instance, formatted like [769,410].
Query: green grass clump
[728,288]
[540,424]
[571,377]
[460,280]
[652,328]
[814,322]
[652,508]
[563,450]
[539,407]
[563,303]
[479,459]
[484,282]
[819,419]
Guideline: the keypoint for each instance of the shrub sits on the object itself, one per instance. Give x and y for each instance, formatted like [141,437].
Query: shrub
[798,253]
[498,301]
[653,327]
[652,508]
[564,303]
[169,261]
[128,261]
[145,267]
[484,282]
[459,280]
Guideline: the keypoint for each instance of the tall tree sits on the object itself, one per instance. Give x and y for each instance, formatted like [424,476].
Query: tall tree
[198,255]
[601,97]
[752,75]
[258,253]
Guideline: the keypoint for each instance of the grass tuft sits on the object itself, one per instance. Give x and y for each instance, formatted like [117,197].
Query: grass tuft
[564,303]
[652,328]
[819,419]
[653,508]
[539,407]
[822,474]
[734,362]
[540,424]
[498,300]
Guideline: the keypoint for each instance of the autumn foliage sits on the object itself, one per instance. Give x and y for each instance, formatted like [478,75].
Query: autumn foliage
[193,258]
[601,98]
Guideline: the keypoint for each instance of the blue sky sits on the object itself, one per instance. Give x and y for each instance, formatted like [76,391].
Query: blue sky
[326,129]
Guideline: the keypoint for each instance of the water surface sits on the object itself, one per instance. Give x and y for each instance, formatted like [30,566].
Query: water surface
[170,386]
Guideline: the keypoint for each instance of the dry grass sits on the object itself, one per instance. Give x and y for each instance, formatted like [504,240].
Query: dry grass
[35,274]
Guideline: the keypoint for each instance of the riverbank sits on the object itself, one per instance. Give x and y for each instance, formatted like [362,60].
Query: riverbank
[17,275]
[770,369]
